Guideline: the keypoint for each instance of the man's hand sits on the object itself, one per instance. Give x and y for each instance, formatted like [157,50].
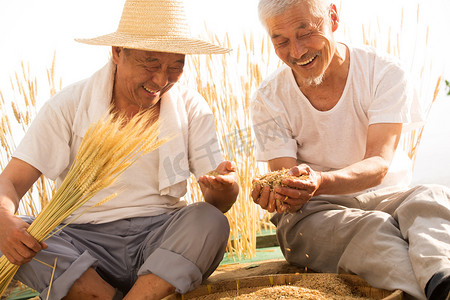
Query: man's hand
[263,196]
[16,243]
[297,192]
[222,178]
[293,196]
[219,187]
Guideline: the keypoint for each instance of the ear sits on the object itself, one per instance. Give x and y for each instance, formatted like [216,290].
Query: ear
[334,17]
[116,53]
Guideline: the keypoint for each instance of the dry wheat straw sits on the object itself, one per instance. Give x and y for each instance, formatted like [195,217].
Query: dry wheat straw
[22,106]
[100,159]
[227,83]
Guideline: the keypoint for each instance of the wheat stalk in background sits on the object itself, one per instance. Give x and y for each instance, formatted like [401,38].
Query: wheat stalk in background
[227,83]
[23,108]
[109,147]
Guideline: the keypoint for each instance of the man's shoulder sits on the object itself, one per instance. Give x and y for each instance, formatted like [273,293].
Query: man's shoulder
[186,94]
[98,85]
[69,96]
[192,99]
[183,91]
[280,73]
[282,76]
[372,55]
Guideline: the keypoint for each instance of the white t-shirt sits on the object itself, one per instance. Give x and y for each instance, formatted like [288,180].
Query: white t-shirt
[287,125]
[152,185]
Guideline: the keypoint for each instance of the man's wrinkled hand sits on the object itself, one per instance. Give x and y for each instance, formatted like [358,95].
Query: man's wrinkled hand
[16,243]
[264,197]
[222,178]
[296,192]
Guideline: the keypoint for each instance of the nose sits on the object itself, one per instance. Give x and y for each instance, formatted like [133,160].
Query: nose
[160,78]
[297,49]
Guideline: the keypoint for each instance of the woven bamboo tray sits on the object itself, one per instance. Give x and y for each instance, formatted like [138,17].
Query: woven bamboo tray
[354,281]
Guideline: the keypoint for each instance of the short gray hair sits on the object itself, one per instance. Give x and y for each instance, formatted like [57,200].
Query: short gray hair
[271,8]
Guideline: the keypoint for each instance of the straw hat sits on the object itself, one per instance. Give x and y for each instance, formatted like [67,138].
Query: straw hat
[155,25]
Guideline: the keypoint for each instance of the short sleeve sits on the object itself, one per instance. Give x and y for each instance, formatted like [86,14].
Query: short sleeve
[46,143]
[392,96]
[270,127]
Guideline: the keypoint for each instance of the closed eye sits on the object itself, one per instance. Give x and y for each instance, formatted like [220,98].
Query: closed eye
[152,69]
[306,36]
[282,43]
[176,69]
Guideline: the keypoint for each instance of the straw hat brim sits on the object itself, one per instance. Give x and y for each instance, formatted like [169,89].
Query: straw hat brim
[172,44]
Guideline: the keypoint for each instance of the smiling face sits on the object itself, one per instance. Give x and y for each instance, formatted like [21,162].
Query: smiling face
[142,77]
[304,42]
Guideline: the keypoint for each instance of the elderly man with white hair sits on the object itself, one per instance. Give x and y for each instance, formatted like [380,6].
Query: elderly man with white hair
[146,243]
[335,112]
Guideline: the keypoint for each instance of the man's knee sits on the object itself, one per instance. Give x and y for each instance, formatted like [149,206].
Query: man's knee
[90,286]
[209,218]
[307,244]
[432,191]
[427,200]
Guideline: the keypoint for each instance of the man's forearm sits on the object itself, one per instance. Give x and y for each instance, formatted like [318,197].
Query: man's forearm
[9,201]
[223,200]
[354,178]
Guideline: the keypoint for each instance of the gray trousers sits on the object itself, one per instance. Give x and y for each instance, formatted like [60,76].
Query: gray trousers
[392,239]
[183,248]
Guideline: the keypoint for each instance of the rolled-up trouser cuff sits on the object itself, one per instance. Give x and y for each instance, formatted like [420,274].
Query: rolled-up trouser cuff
[173,268]
[61,286]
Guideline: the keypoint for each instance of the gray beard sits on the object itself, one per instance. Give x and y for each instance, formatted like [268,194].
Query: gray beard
[313,81]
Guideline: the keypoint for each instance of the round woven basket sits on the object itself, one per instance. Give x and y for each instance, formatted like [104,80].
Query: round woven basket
[356,283]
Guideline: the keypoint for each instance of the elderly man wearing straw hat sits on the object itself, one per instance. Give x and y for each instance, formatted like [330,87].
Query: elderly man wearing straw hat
[335,113]
[145,243]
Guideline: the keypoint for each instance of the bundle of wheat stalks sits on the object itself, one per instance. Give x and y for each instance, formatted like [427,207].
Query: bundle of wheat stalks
[109,147]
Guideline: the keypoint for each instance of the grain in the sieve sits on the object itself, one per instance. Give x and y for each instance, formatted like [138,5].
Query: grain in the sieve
[313,287]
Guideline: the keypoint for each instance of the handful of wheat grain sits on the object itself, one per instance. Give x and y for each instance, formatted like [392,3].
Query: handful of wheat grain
[108,148]
[275,178]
